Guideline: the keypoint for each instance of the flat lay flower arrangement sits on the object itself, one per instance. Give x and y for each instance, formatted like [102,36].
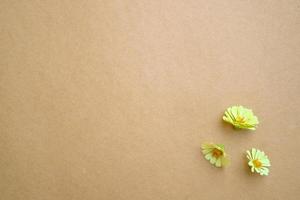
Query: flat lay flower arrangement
[240,118]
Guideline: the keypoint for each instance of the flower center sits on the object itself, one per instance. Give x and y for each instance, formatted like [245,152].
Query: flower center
[217,153]
[240,119]
[257,163]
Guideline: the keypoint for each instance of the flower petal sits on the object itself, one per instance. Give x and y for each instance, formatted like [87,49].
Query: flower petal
[213,160]
[206,151]
[219,162]
[253,152]
[208,156]
[249,156]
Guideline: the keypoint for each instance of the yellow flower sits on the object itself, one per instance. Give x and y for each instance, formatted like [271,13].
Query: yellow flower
[241,117]
[215,153]
[258,161]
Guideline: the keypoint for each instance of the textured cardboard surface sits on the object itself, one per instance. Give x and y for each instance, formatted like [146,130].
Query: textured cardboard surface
[112,99]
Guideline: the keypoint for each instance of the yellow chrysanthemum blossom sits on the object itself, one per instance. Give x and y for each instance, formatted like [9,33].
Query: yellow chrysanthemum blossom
[258,161]
[215,154]
[241,117]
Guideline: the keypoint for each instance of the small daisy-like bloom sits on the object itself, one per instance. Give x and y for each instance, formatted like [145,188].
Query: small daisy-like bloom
[241,117]
[258,161]
[215,154]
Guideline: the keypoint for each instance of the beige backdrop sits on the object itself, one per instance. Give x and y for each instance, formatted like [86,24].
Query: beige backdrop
[111,99]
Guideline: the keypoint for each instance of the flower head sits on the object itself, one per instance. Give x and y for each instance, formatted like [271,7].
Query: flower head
[241,117]
[258,161]
[215,153]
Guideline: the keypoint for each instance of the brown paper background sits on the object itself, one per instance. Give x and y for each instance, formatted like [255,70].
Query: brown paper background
[112,99]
